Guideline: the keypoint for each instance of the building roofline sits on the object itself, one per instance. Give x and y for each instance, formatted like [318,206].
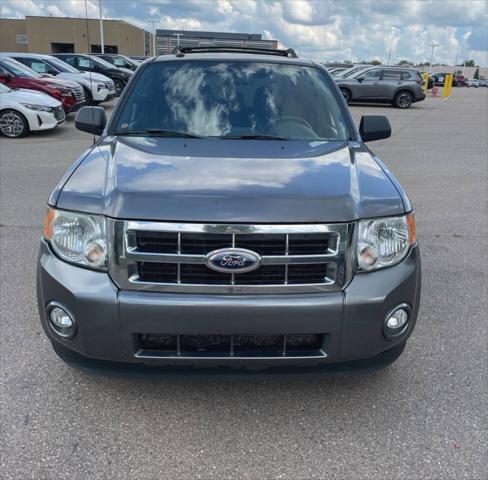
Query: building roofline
[77,18]
[208,34]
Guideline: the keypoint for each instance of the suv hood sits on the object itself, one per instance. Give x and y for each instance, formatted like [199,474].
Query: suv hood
[199,180]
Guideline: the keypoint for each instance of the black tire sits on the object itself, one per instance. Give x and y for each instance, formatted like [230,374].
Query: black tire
[119,86]
[88,97]
[403,99]
[346,94]
[13,124]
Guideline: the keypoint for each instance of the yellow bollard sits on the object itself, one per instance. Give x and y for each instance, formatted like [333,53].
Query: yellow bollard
[446,90]
[425,76]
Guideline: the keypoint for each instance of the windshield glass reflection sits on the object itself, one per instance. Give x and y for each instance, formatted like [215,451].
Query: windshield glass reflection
[233,100]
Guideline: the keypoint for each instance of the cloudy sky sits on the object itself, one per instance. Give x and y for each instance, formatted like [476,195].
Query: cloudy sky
[320,29]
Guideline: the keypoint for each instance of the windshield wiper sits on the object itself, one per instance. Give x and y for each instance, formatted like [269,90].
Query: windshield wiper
[156,132]
[256,136]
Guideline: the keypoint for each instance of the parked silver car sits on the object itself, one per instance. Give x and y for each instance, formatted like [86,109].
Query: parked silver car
[399,86]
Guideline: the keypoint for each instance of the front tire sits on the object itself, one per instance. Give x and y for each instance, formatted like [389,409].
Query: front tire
[403,100]
[88,97]
[13,124]
[346,94]
[119,86]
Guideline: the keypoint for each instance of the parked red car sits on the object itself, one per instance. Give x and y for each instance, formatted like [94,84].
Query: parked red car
[15,75]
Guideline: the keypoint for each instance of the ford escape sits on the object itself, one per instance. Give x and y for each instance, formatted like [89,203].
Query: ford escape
[229,218]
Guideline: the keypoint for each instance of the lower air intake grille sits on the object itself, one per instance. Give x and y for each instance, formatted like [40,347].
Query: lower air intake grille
[59,114]
[241,345]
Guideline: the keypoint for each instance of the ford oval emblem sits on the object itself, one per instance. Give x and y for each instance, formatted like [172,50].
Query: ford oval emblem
[233,260]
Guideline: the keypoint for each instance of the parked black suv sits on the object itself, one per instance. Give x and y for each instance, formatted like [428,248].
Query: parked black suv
[229,217]
[399,86]
[90,63]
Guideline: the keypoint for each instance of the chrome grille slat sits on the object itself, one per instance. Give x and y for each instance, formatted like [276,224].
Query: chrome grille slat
[129,257]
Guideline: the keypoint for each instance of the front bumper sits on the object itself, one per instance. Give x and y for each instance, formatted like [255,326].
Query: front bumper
[39,120]
[109,319]
[420,96]
[103,95]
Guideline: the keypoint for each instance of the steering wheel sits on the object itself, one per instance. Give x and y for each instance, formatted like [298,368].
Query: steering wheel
[290,119]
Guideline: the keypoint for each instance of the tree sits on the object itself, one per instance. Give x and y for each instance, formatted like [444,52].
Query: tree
[403,62]
[476,75]
[469,63]
[375,62]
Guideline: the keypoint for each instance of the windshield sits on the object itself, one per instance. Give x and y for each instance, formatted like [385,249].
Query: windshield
[61,66]
[101,61]
[351,72]
[233,100]
[119,61]
[18,69]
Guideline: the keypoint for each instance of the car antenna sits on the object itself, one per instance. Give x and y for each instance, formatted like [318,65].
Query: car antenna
[89,71]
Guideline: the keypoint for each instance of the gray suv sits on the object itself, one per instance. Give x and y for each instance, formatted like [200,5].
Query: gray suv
[399,86]
[229,219]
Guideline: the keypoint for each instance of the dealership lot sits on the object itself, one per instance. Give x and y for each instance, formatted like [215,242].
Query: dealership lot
[424,417]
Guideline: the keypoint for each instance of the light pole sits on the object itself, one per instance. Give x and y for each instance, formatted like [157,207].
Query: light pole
[178,35]
[389,56]
[102,43]
[153,23]
[433,45]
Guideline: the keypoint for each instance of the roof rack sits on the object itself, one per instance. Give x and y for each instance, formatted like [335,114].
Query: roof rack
[289,52]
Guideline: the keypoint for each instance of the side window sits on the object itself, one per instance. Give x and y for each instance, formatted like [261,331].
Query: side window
[392,75]
[69,59]
[407,76]
[372,75]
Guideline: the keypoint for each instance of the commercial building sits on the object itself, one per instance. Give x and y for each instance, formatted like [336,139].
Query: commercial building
[72,35]
[167,40]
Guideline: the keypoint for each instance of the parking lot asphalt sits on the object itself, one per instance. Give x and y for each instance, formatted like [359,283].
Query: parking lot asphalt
[424,417]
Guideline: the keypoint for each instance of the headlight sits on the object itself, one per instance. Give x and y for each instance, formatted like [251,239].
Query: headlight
[77,238]
[40,108]
[384,242]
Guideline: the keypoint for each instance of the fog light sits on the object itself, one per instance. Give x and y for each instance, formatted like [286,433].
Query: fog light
[61,322]
[397,321]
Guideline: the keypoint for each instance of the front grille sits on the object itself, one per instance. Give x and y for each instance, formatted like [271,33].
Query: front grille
[238,345]
[203,243]
[156,256]
[59,114]
[79,94]
[200,274]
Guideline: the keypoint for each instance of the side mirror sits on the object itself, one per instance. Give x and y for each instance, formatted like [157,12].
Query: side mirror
[91,120]
[374,127]
[360,79]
